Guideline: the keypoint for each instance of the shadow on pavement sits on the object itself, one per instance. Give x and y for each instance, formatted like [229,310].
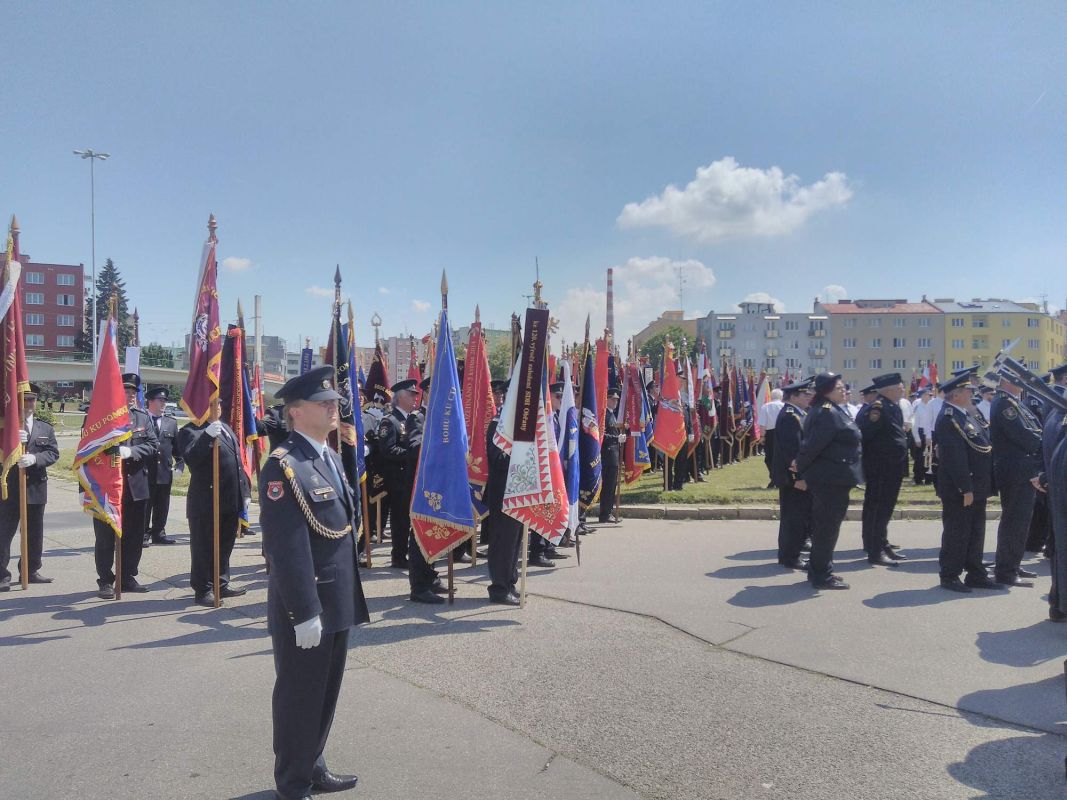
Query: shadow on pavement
[910,598]
[761,596]
[770,570]
[211,627]
[754,555]
[1011,768]
[266,794]
[1024,647]
[425,620]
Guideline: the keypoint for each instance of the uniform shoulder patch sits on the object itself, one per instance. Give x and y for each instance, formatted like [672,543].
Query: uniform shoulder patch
[279,452]
[275,490]
[1010,413]
[827,404]
[876,404]
[874,413]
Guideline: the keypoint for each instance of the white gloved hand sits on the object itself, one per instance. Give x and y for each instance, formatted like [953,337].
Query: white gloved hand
[125,452]
[309,633]
[24,435]
[27,460]
[214,429]
[248,502]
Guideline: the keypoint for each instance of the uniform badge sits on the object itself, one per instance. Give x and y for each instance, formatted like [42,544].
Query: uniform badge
[1010,413]
[275,490]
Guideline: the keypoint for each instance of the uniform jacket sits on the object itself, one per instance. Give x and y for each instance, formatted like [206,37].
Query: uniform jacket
[310,574]
[399,440]
[609,450]
[196,448]
[161,465]
[884,441]
[964,452]
[144,445]
[41,443]
[788,431]
[831,447]
[1016,439]
[273,426]
[498,462]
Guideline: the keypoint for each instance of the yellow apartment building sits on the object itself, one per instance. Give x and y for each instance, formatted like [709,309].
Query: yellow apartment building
[976,330]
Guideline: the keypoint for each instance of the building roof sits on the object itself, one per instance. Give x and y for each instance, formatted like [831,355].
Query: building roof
[991,306]
[879,307]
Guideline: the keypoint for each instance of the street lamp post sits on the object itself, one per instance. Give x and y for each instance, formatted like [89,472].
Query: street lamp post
[93,157]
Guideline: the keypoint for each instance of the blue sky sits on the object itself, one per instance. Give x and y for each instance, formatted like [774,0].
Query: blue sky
[887,149]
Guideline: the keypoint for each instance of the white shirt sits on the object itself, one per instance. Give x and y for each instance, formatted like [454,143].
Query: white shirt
[983,406]
[906,410]
[768,414]
[852,409]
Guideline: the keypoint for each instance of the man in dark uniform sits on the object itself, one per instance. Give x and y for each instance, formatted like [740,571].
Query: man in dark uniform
[135,454]
[314,595]
[885,463]
[1054,482]
[964,480]
[161,468]
[399,451]
[680,465]
[652,389]
[196,443]
[423,582]
[610,451]
[273,426]
[40,451]
[499,389]
[505,532]
[794,525]
[1017,462]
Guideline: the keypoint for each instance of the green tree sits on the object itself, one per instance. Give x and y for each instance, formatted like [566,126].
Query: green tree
[107,280]
[652,349]
[500,359]
[156,355]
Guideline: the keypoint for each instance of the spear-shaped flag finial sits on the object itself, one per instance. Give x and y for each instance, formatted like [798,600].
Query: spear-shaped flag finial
[212,226]
[587,327]
[337,276]
[477,313]
[14,225]
[444,290]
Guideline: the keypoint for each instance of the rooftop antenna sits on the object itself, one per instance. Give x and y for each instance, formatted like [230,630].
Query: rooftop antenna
[681,288]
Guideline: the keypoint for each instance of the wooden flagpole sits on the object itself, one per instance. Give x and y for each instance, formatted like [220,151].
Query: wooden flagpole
[522,572]
[216,414]
[24,535]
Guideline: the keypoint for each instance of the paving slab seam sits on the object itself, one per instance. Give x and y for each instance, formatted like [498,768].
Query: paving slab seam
[896,692]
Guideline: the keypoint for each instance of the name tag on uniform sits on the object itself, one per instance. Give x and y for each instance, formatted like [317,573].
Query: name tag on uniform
[323,491]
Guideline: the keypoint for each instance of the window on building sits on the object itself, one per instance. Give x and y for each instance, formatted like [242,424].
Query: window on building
[850,363]
[925,342]
[1032,322]
[1006,322]
[792,325]
[65,320]
[849,323]
[979,322]
[794,344]
[1034,344]
[957,365]
[750,345]
[876,344]
[791,363]
[898,342]
[924,322]
[35,319]
[876,363]
[768,363]
[849,343]
[978,343]
[65,299]
[34,299]
[35,278]
[35,340]
[64,341]
[64,279]
[957,322]
[1004,343]
[957,344]
[748,363]
[876,322]
[900,363]
[898,322]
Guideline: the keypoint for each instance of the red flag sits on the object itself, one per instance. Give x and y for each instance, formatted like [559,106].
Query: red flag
[107,423]
[205,343]
[600,378]
[414,374]
[478,409]
[670,422]
[15,378]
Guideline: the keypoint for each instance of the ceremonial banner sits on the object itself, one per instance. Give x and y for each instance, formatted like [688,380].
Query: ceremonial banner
[691,399]
[478,411]
[414,374]
[442,516]
[205,343]
[15,377]
[133,365]
[343,440]
[568,446]
[601,378]
[535,493]
[306,359]
[670,422]
[378,392]
[589,438]
[636,458]
[348,331]
[107,424]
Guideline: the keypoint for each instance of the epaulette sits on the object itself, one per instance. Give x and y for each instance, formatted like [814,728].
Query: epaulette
[876,404]
[279,452]
[789,410]
[827,404]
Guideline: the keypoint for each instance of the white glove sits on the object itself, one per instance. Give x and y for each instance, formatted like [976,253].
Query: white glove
[622,437]
[214,429]
[27,460]
[179,467]
[24,435]
[248,502]
[125,452]
[308,633]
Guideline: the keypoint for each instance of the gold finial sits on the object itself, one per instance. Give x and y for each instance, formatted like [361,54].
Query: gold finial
[376,322]
[477,314]
[587,327]
[444,291]
[212,226]
[14,226]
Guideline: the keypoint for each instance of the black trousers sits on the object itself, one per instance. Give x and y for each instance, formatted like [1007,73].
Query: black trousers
[505,545]
[918,471]
[400,520]
[680,469]
[539,545]
[1016,509]
[157,509]
[9,527]
[132,543]
[1040,524]
[794,525]
[610,476]
[962,537]
[306,686]
[768,451]
[829,503]
[421,576]
[879,502]
[202,549]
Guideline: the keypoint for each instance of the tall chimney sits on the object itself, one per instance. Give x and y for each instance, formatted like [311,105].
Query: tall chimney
[611,304]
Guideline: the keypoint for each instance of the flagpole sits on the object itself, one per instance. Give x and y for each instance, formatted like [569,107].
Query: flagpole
[216,415]
[451,553]
[363,502]
[24,536]
[525,549]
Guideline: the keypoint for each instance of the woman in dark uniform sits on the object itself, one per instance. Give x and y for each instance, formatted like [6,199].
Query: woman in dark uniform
[829,462]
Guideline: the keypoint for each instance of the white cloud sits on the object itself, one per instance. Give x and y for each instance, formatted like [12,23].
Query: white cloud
[235,264]
[318,291]
[763,297]
[728,201]
[644,289]
[420,305]
[383,290]
[833,293]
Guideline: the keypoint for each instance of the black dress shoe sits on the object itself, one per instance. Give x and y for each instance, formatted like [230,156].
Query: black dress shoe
[982,582]
[165,540]
[1022,573]
[541,561]
[233,591]
[439,587]
[461,556]
[37,577]
[833,582]
[1055,615]
[5,585]
[483,553]
[508,599]
[892,554]
[955,585]
[147,542]
[806,547]
[399,563]
[584,529]
[106,592]
[425,596]
[133,586]
[796,563]
[566,541]
[326,781]
[1013,580]
[554,553]
[207,599]
[892,546]
[881,560]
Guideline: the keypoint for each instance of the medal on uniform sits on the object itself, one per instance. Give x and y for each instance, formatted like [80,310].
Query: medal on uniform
[275,490]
